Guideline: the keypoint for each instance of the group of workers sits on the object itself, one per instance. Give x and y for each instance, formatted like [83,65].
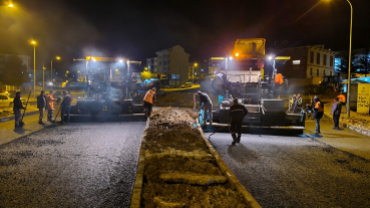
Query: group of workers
[336,110]
[43,103]
[236,114]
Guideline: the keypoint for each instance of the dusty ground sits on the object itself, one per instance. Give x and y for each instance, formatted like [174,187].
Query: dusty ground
[179,169]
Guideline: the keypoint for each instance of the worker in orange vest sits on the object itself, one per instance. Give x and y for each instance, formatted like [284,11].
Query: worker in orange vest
[318,113]
[149,101]
[279,79]
[50,105]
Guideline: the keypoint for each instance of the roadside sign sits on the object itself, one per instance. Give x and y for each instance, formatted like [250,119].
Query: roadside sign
[363,98]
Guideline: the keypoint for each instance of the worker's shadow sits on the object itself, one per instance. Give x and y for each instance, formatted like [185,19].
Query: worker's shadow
[20,130]
[241,153]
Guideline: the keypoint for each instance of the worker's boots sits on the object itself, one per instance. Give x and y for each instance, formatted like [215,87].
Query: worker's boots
[238,139]
[235,140]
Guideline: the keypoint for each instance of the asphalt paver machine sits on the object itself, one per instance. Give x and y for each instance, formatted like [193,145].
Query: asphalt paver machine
[109,90]
[250,77]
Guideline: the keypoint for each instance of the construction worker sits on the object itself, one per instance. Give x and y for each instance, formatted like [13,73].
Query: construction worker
[342,101]
[298,106]
[17,108]
[279,79]
[336,109]
[292,103]
[50,105]
[237,113]
[149,101]
[66,107]
[41,105]
[318,113]
[206,104]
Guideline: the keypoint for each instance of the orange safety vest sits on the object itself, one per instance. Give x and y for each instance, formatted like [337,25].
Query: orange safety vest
[319,107]
[149,96]
[342,98]
[50,102]
[279,79]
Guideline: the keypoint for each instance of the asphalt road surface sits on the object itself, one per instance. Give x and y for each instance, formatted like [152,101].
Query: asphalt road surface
[299,170]
[77,165]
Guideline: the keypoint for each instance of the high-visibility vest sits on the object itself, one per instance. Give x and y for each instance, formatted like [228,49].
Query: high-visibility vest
[342,98]
[319,107]
[50,102]
[279,79]
[149,96]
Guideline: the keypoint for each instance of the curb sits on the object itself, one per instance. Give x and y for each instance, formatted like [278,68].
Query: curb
[8,118]
[138,185]
[230,176]
[350,127]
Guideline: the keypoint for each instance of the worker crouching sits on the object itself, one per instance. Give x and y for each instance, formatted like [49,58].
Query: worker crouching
[237,113]
[149,101]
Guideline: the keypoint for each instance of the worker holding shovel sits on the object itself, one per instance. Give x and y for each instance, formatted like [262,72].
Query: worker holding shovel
[17,108]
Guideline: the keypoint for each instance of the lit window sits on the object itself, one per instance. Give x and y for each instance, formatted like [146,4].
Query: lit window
[296,62]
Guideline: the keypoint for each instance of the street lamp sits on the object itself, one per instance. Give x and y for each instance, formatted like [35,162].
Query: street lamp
[194,65]
[51,68]
[349,62]
[33,42]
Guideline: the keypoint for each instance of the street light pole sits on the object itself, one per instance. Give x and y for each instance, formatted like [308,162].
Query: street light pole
[349,64]
[34,66]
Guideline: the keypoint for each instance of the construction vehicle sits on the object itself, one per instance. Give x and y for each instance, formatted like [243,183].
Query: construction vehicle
[250,77]
[110,90]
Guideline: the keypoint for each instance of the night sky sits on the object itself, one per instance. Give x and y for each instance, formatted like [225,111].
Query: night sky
[136,29]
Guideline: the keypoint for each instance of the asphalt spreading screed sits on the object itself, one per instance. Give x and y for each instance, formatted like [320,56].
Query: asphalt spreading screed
[179,169]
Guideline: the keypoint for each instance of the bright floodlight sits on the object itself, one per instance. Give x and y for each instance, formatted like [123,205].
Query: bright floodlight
[270,58]
[121,60]
[230,57]
[10,5]
[237,54]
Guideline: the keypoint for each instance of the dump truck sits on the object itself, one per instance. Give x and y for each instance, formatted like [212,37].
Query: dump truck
[250,77]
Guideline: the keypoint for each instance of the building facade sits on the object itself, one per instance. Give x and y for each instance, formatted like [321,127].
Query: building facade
[307,62]
[173,63]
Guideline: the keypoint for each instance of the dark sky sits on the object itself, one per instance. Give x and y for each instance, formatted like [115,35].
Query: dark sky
[136,29]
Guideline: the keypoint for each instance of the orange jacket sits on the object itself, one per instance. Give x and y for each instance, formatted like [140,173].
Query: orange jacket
[318,106]
[149,97]
[342,98]
[50,102]
[279,79]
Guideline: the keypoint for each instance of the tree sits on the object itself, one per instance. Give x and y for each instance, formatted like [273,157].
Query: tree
[14,72]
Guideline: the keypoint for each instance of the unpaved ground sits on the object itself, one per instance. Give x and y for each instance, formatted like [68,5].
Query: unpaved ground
[179,169]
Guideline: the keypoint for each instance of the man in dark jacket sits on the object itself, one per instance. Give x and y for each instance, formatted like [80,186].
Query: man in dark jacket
[66,107]
[237,113]
[17,108]
[318,113]
[41,105]
[336,109]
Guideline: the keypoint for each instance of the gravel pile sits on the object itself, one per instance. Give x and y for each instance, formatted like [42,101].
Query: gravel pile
[179,169]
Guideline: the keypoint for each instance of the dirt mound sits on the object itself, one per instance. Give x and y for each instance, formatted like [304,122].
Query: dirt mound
[179,169]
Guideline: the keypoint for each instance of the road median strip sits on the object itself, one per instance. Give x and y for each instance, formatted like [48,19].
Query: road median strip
[178,167]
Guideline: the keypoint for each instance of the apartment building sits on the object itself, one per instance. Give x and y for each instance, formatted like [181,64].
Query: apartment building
[173,62]
[306,61]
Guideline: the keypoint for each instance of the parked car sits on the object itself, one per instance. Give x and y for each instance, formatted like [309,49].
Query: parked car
[6,101]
